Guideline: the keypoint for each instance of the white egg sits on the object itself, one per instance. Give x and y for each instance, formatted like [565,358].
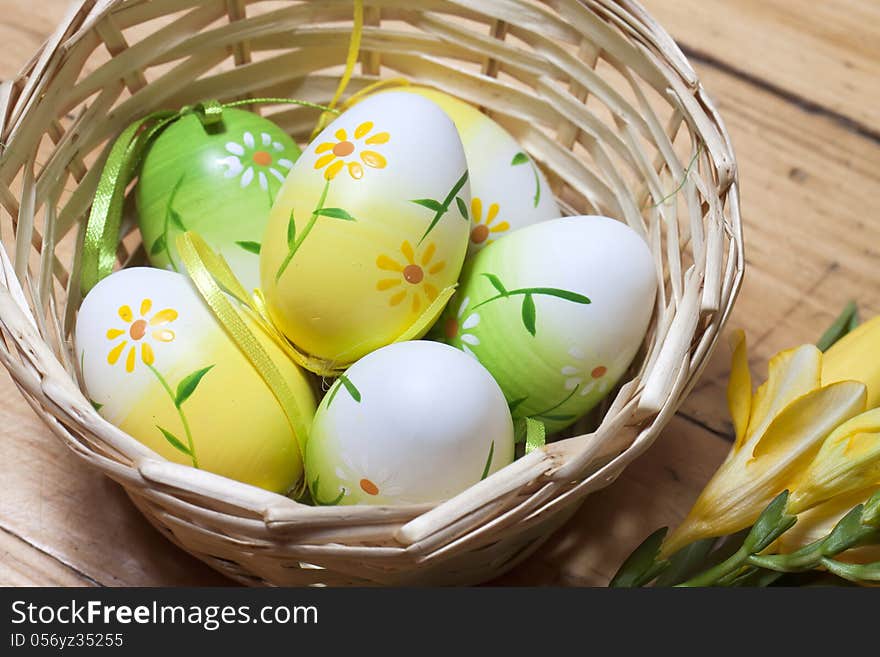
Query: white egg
[412,422]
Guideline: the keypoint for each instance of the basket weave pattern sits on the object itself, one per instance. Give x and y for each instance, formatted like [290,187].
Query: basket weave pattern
[595,90]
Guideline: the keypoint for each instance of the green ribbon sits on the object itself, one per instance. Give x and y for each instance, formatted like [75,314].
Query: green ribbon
[105,219]
[532,432]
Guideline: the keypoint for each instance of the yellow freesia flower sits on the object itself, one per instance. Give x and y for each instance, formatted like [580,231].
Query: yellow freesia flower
[817,522]
[856,356]
[779,431]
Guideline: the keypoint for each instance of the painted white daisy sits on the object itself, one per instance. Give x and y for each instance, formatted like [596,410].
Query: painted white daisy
[372,479]
[584,376]
[459,325]
[251,160]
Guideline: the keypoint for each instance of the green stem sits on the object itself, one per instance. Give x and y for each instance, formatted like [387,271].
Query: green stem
[444,207]
[730,565]
[537,182]
[180,413]
[308,229]
[559,405]
[522,291]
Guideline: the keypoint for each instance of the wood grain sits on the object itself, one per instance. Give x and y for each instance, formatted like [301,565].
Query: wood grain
[797,88]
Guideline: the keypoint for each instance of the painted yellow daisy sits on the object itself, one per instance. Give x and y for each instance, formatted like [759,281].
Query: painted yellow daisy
[413,275]
[140,331]
[352,152]
[484,228]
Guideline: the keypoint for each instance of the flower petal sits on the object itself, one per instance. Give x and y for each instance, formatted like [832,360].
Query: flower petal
[388,283]
[275,172]
[147,354]
[398,298]
[388,264]
[374,159]
[355,170]
[429,253]
[500,227]
[146,304]
[287,164]
[430,291]
[378,138]
[407,250]
[471,339]
[341,135]
[264,182]
[322,161]
[125,313]
[476,210]
[848,460]
[331,172]
[163,335]
[568,370]
[363,129]
[249,140]
[472,321]
[266,138]
[247,177]
[739,387]
[437,267]
[129,360]
[323,148]
[114,333]
[235,149]
[492,213]
[233,164]
[792,374]
[114,354]
[163,317]
[848,359]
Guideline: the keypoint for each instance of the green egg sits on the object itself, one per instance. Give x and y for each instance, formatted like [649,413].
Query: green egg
[219,181]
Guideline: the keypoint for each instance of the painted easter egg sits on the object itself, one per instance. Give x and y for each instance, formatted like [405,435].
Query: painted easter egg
[368,229]
[219,181]
[508,190]
[411,422]
[156,363]
[556,312]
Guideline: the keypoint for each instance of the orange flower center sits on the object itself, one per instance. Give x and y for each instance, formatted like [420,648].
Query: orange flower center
[262,158]
[451,328]
[369,487]
[599,372]
[413,274]
[138,329]
[343,148]
[480,234]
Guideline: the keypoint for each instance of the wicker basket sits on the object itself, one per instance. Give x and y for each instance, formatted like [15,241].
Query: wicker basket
[595,90]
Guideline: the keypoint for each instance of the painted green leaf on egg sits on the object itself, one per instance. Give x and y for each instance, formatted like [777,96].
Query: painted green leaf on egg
[250,247]
[519,158]
[431,204]
[335,213]
[528,313]
[291,231]
[176,220]
[315,494]
[188,385]
[159,245]
[488,461]
[96,405]
[462,207]
[441,208]
[344,382]
[174,441]
[522,158]
[496,283]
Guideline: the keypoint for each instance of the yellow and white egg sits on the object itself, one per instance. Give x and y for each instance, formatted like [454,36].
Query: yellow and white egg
[157,364]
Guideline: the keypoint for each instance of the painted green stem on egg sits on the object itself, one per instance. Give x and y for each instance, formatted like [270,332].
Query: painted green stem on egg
[171,216]
[294,241]
[522,158]
[317,499]
[545,415]
[441,208]
[179,406]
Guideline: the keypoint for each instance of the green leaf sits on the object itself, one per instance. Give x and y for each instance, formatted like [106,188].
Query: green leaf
[462,207]
[846,533]
[431,204]
[519,158]
[528,313]
[488,461]
[515,404]
[350,387]
[771,524]
[158,245]
[854,572]
[188,385]
[251,247]
[496,283]
[642,566]
[846,321]
[176,219]
[173,440]
[96,405]
[574,297]
[335,213]
[685,563]
[317,499]
[291,232]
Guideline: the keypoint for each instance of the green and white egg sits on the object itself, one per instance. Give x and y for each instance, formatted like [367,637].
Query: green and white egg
[219,181]
[413,422]
[556,312]
[508,190]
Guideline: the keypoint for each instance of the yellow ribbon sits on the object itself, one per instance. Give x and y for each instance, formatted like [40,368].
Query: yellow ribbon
[354,48]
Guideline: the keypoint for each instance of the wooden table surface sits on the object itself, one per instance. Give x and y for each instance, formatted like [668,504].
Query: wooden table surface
[796,83]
